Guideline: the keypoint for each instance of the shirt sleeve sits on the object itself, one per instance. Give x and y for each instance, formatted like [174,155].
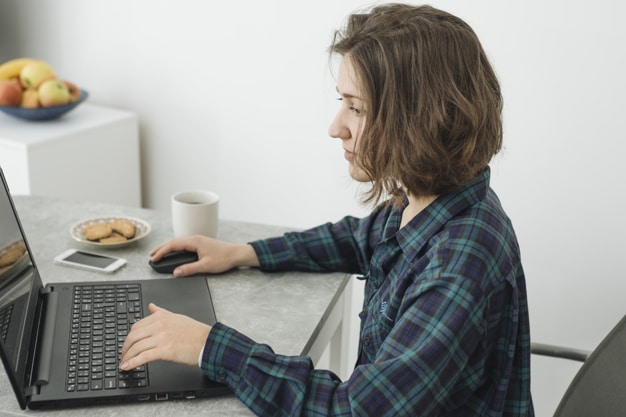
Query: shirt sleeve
[344,246]
[269,384]
[413,373]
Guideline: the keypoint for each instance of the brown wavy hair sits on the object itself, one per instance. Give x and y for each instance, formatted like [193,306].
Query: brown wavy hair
[432,100]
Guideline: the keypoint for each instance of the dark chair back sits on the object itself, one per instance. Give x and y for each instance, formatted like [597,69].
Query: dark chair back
[599,387]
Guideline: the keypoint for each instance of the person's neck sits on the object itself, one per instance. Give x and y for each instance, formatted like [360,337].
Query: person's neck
[415,206]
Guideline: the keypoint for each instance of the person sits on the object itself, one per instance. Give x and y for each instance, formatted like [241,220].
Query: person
[444,327]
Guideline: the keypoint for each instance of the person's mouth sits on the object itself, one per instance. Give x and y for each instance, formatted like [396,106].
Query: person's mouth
[349,155]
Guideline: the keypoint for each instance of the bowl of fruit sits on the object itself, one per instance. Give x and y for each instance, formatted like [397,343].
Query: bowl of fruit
[30,89]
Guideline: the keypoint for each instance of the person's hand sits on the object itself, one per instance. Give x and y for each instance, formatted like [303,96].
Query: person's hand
[164,335]
[214,256]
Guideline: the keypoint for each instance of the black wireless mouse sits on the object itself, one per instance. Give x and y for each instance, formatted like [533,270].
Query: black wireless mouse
[170,261]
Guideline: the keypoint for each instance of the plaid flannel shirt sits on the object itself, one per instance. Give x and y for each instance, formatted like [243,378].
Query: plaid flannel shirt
[444,326]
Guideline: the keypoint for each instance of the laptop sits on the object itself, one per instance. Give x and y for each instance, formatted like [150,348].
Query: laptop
[60,343]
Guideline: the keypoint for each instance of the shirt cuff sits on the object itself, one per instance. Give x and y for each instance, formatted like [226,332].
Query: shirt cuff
[275,253]
[263,254]
[225,354]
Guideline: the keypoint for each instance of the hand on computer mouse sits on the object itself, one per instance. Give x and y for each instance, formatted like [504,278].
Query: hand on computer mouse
[172,260]
[214,256]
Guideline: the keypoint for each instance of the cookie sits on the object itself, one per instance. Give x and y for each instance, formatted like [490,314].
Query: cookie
[12,254]
[97,231]
[114,238]
[125,228]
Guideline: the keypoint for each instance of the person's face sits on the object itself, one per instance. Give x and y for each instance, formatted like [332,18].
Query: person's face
[350,118]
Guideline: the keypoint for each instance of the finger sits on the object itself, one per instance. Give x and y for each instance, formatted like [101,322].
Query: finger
[158,248]
[136,334]
[140,356]
[153,251]
[141,329]
[188,269]
[157,253]
[166,247]
[162,250]
[172,245]
[153,308]
[140,340]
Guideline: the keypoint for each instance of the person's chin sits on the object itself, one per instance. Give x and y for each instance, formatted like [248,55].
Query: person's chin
[358,174]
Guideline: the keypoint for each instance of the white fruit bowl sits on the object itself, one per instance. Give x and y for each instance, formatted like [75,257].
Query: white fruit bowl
[43,113]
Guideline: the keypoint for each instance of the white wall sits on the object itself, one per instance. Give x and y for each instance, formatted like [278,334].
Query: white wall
[236,97]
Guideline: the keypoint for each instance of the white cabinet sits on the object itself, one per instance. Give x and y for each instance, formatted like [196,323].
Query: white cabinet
[89,154]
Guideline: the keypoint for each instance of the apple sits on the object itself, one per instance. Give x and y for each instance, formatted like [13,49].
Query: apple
[53,93]
[30,98]
[17,82]
[74,91]
[35,73]
[10,92]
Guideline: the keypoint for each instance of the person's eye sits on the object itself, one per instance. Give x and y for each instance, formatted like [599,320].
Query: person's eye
[353,109]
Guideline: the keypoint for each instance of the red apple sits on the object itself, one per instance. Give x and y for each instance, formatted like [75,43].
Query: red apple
[17,82]
[30,98]
[73,89]
[10,92]
[35,73]
[53,93]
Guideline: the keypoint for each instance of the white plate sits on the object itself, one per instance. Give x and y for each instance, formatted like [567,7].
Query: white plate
[142,229]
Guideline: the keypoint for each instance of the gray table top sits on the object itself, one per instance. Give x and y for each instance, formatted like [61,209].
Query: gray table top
[284,310]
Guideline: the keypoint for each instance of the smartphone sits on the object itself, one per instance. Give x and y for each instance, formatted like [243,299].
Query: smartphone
[90,261]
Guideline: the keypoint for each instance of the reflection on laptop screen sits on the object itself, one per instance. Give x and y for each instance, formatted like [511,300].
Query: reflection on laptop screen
[16,275]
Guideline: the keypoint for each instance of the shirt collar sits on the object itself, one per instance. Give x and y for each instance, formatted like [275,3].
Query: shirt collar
[413,236]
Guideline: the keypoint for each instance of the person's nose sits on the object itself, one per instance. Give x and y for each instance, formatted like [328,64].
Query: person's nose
[338,129]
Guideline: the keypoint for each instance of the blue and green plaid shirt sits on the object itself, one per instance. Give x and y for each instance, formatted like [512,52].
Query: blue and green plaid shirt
[444,326]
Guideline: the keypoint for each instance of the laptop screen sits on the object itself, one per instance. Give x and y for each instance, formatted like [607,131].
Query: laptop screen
[17,301]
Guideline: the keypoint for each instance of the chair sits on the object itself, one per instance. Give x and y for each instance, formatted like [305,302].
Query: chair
[599,387]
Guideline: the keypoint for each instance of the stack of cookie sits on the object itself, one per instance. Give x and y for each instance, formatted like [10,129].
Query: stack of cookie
[10,255]
[110,232]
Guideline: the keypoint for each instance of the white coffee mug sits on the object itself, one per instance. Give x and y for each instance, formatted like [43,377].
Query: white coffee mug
[195,212]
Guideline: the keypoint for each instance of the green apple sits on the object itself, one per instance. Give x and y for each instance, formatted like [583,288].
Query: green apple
[10,92]
[30,98]
[53,93]
[35,73]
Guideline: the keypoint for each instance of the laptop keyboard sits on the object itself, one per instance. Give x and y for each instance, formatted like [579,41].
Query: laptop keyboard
[101,319]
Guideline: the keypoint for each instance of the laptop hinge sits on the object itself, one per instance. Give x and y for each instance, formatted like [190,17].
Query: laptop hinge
[45,290]
[46,340]
[31,390]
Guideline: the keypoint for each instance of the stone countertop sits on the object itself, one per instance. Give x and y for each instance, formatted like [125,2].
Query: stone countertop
[284,310]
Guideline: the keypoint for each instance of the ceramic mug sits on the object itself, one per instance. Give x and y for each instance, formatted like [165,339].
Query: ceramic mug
[195,213]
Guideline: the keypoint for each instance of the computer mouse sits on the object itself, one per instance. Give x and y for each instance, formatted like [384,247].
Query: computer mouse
[172,260]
